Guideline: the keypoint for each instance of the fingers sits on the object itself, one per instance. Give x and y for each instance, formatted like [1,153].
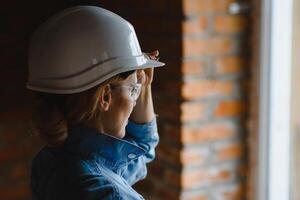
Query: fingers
[153,55]
[145,76]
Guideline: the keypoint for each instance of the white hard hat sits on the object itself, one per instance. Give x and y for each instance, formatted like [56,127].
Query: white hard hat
[81,47]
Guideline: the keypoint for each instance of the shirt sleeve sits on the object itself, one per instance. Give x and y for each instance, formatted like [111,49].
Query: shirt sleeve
[145,136]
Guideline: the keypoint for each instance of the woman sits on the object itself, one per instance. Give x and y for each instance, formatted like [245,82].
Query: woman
[92,106]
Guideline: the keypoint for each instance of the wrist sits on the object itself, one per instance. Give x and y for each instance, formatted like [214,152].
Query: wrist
[143,111]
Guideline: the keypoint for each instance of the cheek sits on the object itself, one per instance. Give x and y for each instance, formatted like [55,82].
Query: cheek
[127,108]
[123,107]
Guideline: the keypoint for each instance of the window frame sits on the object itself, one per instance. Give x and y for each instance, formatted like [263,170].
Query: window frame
[273,177]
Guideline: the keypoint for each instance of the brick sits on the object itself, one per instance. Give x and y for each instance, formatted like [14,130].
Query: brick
[205,47]
[206,89]
[194,156]
[19,172]
[11,134]
[229,192]
[232,108]
[195,26]
[11,153]
[193,111]
[229,65]
[193,68]
[207,133]
[205,6]
[204,177]
[17,113]
[25,148]
[191,47]
[14,192]
[230,151]
[14,132]
[196,197]
[231,24]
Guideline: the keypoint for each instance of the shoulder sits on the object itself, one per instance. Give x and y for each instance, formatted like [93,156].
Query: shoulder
[66,176]
[92,181]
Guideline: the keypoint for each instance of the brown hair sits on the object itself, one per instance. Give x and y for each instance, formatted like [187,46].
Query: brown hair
[52,114]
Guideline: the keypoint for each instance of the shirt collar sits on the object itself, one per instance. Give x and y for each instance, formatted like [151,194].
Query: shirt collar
[89,141]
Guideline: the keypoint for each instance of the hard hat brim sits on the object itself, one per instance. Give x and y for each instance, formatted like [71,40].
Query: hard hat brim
[61,86]
[151,63]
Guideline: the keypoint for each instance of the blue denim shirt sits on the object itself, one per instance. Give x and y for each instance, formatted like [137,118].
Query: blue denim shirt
[93,165]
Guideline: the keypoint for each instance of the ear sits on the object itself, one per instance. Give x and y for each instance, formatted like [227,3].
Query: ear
[105,97]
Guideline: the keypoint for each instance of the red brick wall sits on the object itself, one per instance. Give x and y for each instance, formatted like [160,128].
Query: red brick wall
[214,135]
[16,145]
[200,96]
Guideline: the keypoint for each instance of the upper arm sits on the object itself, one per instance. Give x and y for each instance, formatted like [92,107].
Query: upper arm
[94,187]
[87,184]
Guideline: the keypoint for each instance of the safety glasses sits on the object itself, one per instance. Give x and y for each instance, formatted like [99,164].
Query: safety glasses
[134,89]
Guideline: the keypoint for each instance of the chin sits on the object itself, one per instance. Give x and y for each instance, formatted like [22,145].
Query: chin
[121,133]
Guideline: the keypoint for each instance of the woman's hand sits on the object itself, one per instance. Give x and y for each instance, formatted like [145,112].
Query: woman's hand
[143,112]
[145,76]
